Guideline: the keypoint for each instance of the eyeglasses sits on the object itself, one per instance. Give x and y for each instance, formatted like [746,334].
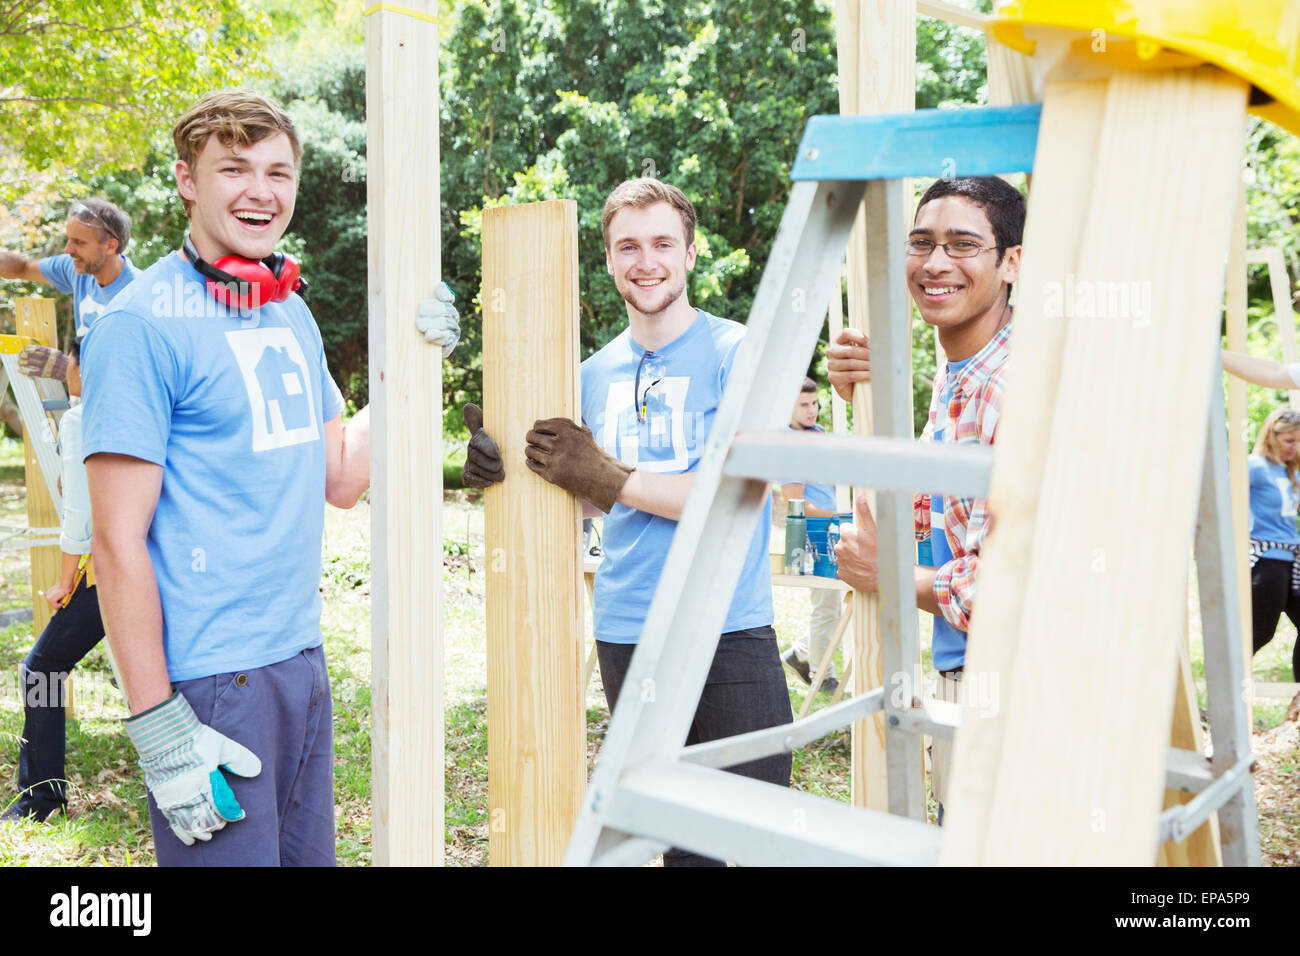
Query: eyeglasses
[958,249]
[83,212]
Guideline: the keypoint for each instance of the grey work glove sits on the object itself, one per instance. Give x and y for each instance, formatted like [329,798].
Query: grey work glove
[41,361]
[180,757]
[566,454]
[483,464]
[438,319]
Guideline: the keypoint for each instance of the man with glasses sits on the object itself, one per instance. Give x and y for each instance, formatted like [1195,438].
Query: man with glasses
[93,266]
[963,254]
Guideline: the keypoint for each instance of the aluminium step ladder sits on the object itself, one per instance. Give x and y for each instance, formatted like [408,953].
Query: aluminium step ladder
[41,403]
[649,792]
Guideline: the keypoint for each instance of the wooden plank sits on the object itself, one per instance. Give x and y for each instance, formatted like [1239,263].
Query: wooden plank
[1275,691]
[536,725]
[876,43]
[937,10]
[1279,280]
[1010,75]
[1239,428]
[406,436]
[1070,771]
[839,414]
[34,317]
[1202,847]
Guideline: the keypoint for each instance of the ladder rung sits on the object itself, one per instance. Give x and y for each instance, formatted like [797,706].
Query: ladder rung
[938,718]
[711,812]
[1188,771]
[784,738]
[863,461]
[1178,823]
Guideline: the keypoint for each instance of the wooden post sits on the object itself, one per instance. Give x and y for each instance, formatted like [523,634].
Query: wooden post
[877,66]
[35,318]
[1202,847]
[536,717]
[406,435]
[1239,430]
[1279,280]
[839,413]
[1078,628]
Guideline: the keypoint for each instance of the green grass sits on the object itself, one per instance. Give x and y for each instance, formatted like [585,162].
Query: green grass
[108,822]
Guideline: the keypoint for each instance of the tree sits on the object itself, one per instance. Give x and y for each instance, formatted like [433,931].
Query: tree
[86,84]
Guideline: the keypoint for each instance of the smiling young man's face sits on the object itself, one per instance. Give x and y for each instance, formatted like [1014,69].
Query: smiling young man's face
[648,256]
[243,196]
[952,293]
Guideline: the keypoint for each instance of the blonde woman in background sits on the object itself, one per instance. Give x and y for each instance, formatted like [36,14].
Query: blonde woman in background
[1274,539]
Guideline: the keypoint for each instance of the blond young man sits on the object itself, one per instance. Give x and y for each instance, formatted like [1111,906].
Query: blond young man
[213,436]
[648,402]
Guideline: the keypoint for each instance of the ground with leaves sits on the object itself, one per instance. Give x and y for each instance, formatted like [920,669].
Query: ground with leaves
[107,824]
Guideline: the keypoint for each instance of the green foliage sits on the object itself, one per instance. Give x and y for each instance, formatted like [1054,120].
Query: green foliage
[95,80]
[712,97]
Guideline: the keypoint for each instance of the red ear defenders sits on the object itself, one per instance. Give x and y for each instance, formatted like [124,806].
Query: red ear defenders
[248,283]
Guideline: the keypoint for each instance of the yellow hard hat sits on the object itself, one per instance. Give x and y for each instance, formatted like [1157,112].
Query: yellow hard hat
[1258,40]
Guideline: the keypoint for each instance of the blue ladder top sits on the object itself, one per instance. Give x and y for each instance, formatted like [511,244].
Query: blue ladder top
[938,144]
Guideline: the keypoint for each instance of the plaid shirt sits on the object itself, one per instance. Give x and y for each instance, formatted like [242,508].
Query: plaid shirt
[973,415]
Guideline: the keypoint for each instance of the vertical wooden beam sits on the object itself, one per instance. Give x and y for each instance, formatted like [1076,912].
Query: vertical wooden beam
[1239,428]
[1070,771]
[35,318]
[839,412]
[876,41]
[1202,847]
[406,435]
[1279,280]
[536,717]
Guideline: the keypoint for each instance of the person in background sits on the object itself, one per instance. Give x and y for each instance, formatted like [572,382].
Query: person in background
[1274,539]
[827,604]
[71,634]
[92,269]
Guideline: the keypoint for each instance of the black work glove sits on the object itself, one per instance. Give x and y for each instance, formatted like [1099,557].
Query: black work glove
[566,454]
[483,464]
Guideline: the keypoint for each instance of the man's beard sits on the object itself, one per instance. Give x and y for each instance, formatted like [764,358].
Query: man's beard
[669,299]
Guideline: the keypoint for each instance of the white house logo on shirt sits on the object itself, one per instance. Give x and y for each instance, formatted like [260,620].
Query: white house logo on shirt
[663,447]
[88,310]
[1289,498]
[275,373]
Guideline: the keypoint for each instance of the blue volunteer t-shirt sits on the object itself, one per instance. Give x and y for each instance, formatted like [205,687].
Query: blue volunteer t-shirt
[1273,506]
[680,387]
[821,496]
[89,298]
[948,647]
[232,405]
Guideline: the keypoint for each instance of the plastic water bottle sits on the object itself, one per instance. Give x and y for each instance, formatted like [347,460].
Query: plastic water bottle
[808,554]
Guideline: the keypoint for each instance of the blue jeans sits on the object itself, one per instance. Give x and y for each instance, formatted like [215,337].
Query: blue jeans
[745,691]
[71,634]
[282,713]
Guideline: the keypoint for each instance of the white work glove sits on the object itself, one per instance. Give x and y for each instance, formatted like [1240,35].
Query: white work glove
[439,321]
[180,757]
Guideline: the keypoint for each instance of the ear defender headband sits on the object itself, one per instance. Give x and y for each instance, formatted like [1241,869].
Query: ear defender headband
[248,283]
